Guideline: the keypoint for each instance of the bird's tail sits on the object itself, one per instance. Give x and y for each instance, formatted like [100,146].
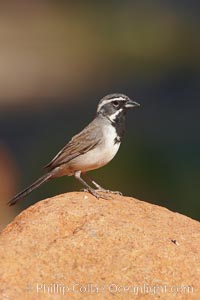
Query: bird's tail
[29,189]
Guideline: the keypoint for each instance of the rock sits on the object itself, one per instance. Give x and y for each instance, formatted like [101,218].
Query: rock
[74,246]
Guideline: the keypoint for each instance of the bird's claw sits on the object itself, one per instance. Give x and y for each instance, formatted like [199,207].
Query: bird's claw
[83,190]
[108,191]
[116,192]
[97,195]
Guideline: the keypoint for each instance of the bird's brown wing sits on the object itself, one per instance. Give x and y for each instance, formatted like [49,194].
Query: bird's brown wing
[84,141]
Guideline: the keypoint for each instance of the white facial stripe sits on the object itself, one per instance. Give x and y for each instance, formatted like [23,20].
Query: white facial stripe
[113,116]
[108,101]
[119,98]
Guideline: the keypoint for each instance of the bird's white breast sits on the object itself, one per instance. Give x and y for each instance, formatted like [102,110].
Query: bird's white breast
[111,146]
[101,154]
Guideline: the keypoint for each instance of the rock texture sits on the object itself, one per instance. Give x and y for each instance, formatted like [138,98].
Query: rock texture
[74,246]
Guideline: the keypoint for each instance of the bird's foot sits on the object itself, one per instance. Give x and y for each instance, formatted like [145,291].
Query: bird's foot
[97,195]
[108,191]
[83,190]
[101,189]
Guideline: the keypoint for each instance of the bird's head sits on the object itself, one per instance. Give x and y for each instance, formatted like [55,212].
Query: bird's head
[114,106]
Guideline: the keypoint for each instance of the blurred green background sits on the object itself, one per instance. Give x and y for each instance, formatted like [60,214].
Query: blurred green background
[58,58]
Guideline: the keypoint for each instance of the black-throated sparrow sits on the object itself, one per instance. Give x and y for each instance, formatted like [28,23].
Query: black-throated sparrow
[90,149]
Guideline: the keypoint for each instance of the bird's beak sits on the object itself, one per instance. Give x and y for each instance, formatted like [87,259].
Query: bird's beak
[130,104]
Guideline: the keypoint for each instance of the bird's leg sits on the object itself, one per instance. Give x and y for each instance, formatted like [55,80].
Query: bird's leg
[92,191]
[95,183]
[100,188]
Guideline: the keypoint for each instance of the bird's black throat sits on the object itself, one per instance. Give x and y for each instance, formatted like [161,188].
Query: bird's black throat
[119,124]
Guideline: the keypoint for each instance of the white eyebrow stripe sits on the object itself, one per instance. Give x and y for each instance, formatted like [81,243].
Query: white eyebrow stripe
[108,101]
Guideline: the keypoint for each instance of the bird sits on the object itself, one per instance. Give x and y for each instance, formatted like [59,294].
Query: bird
[92,148]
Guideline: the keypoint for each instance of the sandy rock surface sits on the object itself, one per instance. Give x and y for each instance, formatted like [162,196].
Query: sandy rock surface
[74,246]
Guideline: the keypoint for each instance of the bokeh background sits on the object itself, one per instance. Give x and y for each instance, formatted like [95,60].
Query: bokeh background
[58,58]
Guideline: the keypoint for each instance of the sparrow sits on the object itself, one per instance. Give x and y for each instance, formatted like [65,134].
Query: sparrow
[92,148]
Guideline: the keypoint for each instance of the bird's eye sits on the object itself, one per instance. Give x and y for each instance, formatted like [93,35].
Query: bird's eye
[115,104]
